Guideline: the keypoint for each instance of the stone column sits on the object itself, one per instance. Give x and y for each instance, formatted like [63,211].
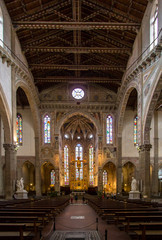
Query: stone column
[1,165]
[37,168]
[57,182]
[144,158]
[119,166]
[10,169]
[100,179]
[156,156]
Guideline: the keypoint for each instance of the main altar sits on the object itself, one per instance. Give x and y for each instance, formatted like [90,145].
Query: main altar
[79,175]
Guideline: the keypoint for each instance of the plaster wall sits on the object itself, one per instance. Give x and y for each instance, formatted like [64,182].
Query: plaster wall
[141,45]
[128,148]
[28,147]
[160,132]
[5,72]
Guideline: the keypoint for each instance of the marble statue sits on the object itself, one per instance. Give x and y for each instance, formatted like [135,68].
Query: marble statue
[133,184]
[20,184]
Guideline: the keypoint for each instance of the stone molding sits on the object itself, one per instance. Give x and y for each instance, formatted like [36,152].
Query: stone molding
[145,63]
[20,68]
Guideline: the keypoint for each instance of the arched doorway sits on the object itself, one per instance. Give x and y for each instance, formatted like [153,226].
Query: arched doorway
[110,170]
[48,178]
[28,171]
[128,172]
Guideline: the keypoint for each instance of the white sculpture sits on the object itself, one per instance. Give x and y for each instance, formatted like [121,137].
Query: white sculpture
[133,184]
[20,184]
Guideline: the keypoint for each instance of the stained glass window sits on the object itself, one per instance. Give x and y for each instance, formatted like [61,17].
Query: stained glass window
[47,130]
[135,130]
[79,153]
[91,165]
[104,177]
[109,137]
[78,93]
[66,165]
[52,177]
[19,129]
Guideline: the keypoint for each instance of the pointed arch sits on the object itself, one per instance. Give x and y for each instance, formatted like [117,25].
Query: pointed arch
[32,99]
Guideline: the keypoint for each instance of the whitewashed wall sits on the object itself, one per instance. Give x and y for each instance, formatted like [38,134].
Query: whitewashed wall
[128,148]
[28,147]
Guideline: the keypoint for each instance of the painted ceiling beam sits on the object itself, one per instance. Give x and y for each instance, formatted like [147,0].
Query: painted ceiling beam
[79,50]
[77,79]
[77,67]
[70,26]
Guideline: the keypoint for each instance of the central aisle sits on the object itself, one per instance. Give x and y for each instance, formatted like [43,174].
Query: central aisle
[80,217]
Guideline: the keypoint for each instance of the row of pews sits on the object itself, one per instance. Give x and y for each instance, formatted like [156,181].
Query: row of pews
[141,220]
[29,219]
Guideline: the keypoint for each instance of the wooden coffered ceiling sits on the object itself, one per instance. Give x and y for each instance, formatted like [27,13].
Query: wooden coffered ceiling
[77,41]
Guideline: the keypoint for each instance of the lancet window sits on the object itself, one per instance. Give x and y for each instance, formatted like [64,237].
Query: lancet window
[47,129]
[19,129]
[66,165]
[91,164]
[109,130]
[79,156]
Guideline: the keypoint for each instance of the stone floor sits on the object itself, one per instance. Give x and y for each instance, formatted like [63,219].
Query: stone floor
[79,217]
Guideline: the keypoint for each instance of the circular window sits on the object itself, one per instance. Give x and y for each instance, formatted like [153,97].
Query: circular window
[78,93]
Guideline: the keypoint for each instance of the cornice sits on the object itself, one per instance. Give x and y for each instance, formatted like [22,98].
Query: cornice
[20,69]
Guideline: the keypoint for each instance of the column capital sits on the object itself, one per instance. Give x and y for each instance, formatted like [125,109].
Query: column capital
[10,147]
[144,147]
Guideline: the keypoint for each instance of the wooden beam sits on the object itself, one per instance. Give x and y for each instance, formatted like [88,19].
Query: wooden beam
[78,50]
[70,26]
[77,67]
[77,79]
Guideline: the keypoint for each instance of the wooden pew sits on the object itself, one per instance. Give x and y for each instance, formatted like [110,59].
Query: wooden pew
[120,215]
[136,220]
[32,223]
[13,231]
[149,229]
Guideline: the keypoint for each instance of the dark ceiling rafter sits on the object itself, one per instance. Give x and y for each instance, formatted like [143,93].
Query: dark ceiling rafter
[87,41]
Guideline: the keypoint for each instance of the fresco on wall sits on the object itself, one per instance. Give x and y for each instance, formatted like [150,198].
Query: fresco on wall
[62,92]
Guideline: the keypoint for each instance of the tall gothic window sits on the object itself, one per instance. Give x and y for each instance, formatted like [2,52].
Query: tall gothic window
[47,129]
[53,177]
[154,26]
[79,153]
[109,136]
[135,130]
[104,177]
[1,28]
[66,165]
[91,162]
[19,129]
